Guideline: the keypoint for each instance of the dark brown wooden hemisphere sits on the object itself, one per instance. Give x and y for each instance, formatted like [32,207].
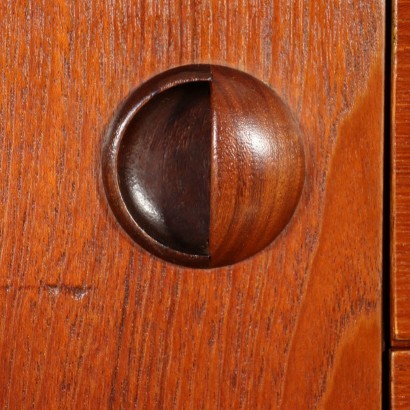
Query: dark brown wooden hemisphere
[258,166]
[203,166]
[156,165]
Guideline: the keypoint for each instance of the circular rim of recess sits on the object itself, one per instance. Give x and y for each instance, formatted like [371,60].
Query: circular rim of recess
[124,115]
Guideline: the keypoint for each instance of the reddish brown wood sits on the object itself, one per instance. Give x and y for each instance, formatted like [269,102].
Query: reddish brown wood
[400,379]
[203,165]
[258,166]
[88,319]
[400,197]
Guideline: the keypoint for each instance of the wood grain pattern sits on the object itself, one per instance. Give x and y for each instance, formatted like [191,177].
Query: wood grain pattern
[89,320]
[203,165]
[400,177]
[258,166]
[400,379]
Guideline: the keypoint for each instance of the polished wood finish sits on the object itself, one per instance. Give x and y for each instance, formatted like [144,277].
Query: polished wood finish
[88,319]
[258,166]
[165,167]
[400,194]
[400,380]
[203,165]
[156,165]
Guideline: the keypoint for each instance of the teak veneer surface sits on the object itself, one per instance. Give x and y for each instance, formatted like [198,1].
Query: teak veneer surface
[87,318]
[400,380]
[400,205]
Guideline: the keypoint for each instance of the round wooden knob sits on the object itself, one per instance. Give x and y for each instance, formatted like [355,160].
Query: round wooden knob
[203,165]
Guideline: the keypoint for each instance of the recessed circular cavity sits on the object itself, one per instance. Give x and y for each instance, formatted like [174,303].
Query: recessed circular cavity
[164,167]
[203,165]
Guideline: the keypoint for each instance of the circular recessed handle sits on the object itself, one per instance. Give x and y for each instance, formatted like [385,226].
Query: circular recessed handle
[203,165]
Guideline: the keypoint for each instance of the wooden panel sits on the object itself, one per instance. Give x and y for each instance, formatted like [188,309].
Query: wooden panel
[400,209]
[400,380]
[88,319]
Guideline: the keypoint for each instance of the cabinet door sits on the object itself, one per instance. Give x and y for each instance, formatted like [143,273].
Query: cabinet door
[88,319]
